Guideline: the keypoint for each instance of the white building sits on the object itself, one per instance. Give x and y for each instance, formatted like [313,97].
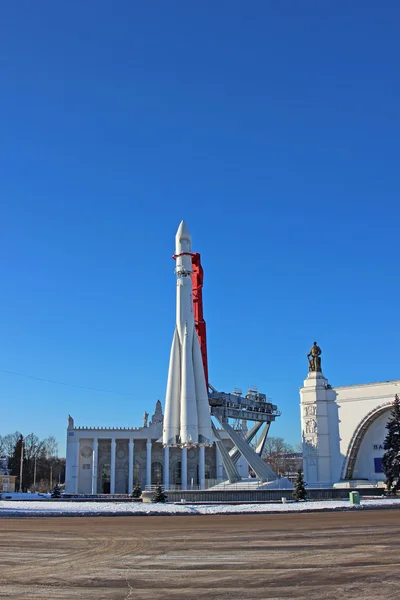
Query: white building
[343,430]
[7,481]
[107,460]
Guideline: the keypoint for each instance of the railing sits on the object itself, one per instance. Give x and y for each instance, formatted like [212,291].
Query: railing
[223,485]
[190,486]
[211,484]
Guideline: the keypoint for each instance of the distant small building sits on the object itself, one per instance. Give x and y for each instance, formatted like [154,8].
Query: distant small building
[7,481]
[291,463]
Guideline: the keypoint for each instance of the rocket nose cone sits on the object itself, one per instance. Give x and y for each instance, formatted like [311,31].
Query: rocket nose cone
[183,232]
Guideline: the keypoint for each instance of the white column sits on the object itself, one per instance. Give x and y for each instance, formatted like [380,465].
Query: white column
[202,467]
[131,466]
[184,469]
[72,463]
[219,466]
[148,462]
[76,467]
[112,467]
[319,423]
[166,467]
[94,465]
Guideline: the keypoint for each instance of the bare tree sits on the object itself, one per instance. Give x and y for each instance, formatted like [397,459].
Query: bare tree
[31,446]
[40,461]
[51,446]
[9,442]
[277,454]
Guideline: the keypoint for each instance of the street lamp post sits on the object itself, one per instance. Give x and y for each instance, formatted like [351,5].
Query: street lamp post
[37,450]
[21,463]
[34,471]
[21,460]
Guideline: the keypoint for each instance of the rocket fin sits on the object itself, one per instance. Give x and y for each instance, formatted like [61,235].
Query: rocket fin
[206,435]
[189,424]
[172,397]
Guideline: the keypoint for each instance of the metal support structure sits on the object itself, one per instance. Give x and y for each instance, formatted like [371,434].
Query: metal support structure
[229,465]
[200,324]
[261,469]
[235,453]
[254,406]
[262,440]
[218,463]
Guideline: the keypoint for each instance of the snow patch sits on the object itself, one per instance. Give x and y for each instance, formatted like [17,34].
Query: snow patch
[10,508]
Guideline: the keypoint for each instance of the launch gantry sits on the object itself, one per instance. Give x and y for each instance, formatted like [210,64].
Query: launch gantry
[253,406]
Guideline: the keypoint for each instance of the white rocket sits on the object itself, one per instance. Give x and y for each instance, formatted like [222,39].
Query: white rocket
[187,420]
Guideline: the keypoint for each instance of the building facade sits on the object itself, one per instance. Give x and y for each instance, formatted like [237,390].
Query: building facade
[7,481]
[107,460]
[343,430]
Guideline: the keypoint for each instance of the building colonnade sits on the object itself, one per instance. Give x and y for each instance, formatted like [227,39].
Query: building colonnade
[112,460]
[112,465]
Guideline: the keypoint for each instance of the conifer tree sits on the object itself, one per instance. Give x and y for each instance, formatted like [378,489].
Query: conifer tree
[159,495]
[300,492]
[137,491]
[391,445]
[56,493]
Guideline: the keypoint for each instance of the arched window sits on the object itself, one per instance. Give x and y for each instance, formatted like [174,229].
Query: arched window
[177,473]
[207,472]
[136,469]
[105,478]
[156,472]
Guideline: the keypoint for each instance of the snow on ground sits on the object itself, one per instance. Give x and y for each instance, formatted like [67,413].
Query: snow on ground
[250,483]
[25,496]
[49,508]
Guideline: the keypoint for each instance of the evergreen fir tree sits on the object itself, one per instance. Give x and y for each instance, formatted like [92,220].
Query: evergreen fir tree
[391,458]
[300,492]
[137,491]
[56,493]
[159,495]
[15,461]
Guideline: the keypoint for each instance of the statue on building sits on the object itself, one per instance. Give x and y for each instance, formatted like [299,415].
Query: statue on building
[314,359]
[145,419]
[310,447]
[311,426]
[310,410]
[70,422]
[158,414]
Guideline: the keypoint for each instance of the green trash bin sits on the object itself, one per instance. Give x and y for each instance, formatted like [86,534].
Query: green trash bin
[354,498]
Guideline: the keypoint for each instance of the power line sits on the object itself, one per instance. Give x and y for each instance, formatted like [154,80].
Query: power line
[82,387]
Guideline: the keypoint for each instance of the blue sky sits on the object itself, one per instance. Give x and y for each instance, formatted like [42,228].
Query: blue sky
[272,128]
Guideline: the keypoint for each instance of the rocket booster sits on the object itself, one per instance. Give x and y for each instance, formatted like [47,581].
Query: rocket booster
[187,420]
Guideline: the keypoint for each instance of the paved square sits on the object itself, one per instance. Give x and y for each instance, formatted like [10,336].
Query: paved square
[332,555]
